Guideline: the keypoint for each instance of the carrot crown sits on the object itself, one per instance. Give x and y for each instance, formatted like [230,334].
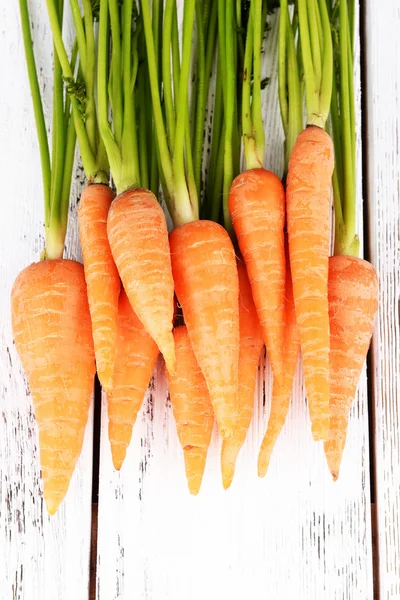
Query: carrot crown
[80,84]
[289,82]
[316,49]
[343,128]
[57,169]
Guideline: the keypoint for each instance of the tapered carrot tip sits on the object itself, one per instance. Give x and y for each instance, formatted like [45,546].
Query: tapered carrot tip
[195,463]
[118,453]
[333,453]
[55,494]
[229,454]
[263,464]
[169,352]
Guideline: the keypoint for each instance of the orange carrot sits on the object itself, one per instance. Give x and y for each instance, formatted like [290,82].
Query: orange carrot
[192,408]
[53,337]
[135,358]
[308,212]
[206,284]
[251,344]
[257,209]
[353,302]
[102,279]
[281,394]
[138,236]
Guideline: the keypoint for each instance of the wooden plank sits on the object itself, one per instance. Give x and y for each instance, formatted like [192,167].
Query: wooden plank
[294,534]
[383,131]
[41,558]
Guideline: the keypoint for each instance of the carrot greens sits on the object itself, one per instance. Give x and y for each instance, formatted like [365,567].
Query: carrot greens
[343,128]
[57,168]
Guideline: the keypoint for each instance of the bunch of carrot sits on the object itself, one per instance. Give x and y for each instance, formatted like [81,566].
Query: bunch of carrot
[253,270]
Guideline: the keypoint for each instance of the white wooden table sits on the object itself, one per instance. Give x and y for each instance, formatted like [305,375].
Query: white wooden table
[294,534]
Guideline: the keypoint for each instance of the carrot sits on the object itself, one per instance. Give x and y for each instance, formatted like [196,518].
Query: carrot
[308,208]
[101,274]
[353,293]
[136,225]
[138,237]
[202,255]
[251,344]
[206,285]
[281,393]
[102,279]
[135,358]
[353,282]
[52,333]
[308,212]
[49,308]
[192,408]
[257,209]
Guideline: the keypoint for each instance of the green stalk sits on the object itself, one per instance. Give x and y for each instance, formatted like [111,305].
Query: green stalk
[155,156]
[37,108]
[313,117]
[87,155]
[200,100]
[89,71]
[186,206]
[218,111]
[116,87]
[258,126]
[222,44]
[349,209]
[80,33]
[143,119]
[217,190]
[282,61]
[69,157]
[327,63]
[295,112]
[54,234]
[229,112]
[113,151]
[170,7]
[247,122]
[164,156]
[176,63]
[316,47]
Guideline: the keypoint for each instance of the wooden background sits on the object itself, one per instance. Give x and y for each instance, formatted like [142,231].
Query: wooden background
[294,534]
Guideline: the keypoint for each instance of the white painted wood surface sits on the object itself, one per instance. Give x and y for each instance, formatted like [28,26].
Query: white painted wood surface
[294,534]
[41,558]
[383,128]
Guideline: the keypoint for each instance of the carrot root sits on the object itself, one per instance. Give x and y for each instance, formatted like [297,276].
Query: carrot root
[308,212]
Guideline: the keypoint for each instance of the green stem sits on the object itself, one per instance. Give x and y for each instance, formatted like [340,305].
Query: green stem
[37,108]
[218,111]
[316,47]
[346,78]
[143,109]
[80,33]
[229,112]
[247,122]
[222,44]
[170,7]
[157,35]
[258,126]
[58,130]
[116,87]
[217,190]
[309,76]
[176,64]
[165,159]
[88,158]
[282,61]
[327,63]
[201,99]
[90,121]
[68,166]
[113,152]
[295,119]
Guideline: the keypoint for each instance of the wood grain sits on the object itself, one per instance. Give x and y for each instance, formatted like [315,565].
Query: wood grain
[41,558]
[294,534]
[383,134]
